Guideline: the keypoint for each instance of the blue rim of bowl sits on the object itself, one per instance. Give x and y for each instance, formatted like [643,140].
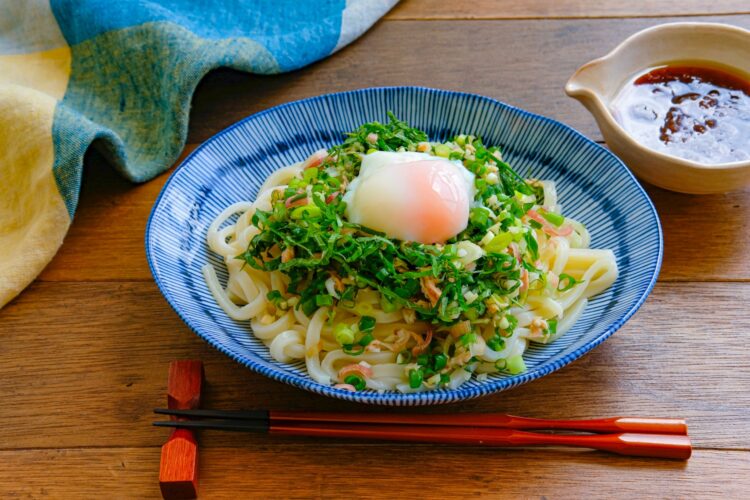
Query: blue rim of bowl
[427,397]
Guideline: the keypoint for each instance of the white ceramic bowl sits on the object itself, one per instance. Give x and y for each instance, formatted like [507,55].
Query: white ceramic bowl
[597,83]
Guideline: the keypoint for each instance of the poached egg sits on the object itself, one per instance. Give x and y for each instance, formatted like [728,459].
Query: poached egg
[411,196]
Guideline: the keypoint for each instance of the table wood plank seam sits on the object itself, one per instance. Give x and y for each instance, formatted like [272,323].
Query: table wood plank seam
[398,18]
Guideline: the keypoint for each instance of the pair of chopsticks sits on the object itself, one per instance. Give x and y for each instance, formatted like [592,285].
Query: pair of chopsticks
[648,437]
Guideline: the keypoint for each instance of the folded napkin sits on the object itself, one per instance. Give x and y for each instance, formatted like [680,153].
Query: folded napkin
[123,72]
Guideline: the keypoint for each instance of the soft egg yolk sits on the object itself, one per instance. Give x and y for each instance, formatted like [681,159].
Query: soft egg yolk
[411,196]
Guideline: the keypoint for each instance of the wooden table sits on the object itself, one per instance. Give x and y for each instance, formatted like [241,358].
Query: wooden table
[84,351]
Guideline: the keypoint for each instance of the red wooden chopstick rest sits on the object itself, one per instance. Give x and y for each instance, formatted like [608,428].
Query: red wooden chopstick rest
[178,469]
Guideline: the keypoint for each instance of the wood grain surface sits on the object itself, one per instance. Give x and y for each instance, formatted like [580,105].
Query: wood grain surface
[84,352]
[545,9]
[367,471]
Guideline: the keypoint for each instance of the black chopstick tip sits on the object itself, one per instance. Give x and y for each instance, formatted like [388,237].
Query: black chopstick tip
[240,415]
[226,424]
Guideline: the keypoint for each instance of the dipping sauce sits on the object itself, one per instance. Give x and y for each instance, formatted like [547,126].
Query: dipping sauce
[696,112]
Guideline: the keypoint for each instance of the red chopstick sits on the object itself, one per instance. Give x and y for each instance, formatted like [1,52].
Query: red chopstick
[652,437]
[674,446]
[495,420]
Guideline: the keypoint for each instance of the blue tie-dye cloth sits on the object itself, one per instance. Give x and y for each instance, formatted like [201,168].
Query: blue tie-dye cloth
[123,73]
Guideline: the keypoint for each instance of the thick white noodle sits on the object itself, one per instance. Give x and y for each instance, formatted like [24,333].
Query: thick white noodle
[565,324]
[288,345]
[235,312]
[217,241]
[281,176]
[269,331]
[302,319]
[312,347]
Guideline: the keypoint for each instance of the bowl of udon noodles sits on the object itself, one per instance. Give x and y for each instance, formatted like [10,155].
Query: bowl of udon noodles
[403,245]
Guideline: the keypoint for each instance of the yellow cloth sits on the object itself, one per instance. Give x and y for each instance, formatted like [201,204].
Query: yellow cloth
[33,216]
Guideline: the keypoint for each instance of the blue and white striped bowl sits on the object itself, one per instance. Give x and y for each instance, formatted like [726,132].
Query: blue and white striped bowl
[593,185]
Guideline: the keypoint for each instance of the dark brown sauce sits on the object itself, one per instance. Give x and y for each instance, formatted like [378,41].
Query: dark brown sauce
[696,112]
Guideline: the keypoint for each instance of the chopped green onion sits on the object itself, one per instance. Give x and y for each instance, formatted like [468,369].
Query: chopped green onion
[343,334]
[479,216]
[371,150]
[460,140]
[444,379]
[404,357]
[554,218]
[415,378]
[323,300]
[552,326]
[450,250]
[423,359]
[356,381]
[310,174]
[311,211]
[439,361]
[348,294]
[279,210]
[297,183]
[351,351]
[387,305]
[516,365]
[442,150]
[366,324]
[535,224]
[468,338]
[531,245]
[496,343]
[512,322]
[499,243]
[334,182]
[366,339]
[308,306]
[566,283]
[501,364]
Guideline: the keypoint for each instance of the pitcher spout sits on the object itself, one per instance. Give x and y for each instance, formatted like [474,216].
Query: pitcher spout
[587,81]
